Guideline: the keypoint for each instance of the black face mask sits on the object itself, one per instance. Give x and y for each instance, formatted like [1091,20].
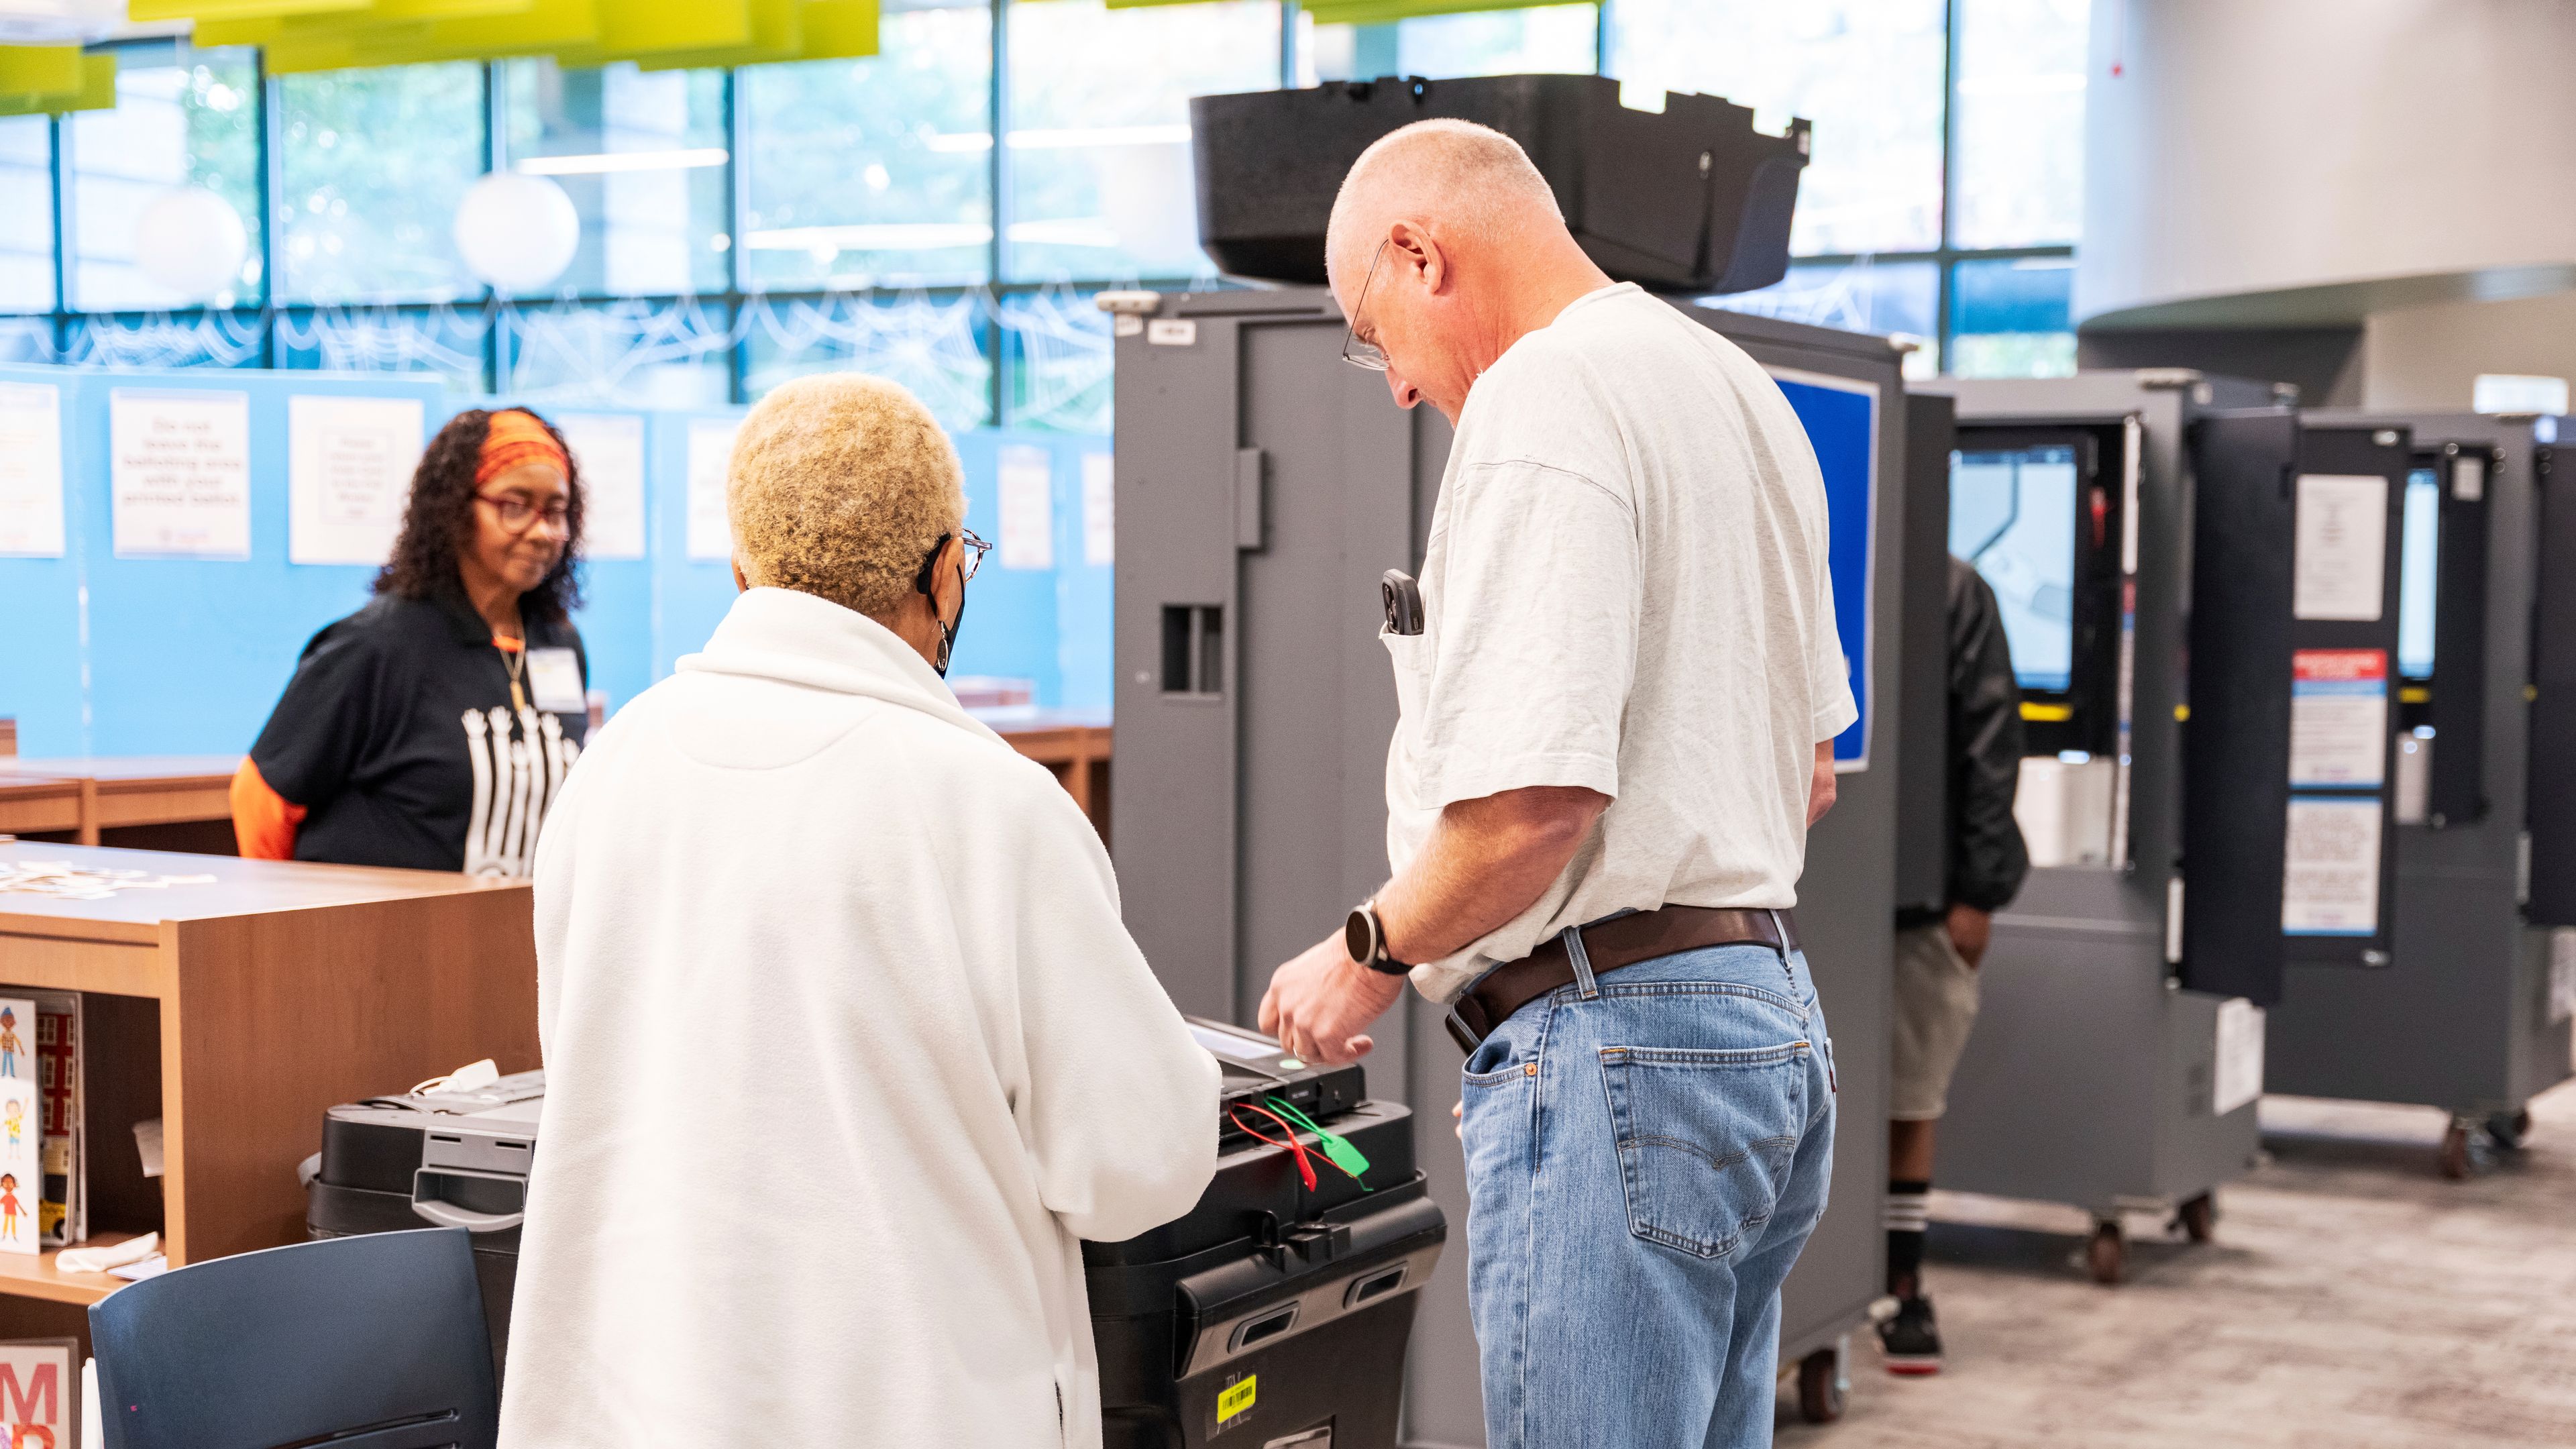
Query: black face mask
[947,627]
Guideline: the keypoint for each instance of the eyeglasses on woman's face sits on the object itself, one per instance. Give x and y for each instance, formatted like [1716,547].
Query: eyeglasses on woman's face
[516,511]
[976,548]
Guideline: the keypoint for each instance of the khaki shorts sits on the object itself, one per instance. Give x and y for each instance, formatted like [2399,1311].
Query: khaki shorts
[1936,1004]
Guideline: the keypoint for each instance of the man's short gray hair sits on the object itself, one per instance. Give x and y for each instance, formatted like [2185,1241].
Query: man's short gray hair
[1440,171]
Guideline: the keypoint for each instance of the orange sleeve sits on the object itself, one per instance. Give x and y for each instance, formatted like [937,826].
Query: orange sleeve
[263,823]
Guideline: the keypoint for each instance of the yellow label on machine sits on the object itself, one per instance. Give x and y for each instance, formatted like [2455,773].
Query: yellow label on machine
[1235,1398]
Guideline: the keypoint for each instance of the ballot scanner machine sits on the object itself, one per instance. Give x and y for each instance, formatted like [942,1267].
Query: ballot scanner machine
[2464,718]
[1264,487]
[2136,530]
[1278,1306]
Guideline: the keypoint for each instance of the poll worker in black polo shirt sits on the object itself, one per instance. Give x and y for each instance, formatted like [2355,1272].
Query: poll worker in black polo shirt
[433,728]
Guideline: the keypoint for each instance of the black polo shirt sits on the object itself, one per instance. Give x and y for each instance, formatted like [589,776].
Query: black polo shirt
[398,738]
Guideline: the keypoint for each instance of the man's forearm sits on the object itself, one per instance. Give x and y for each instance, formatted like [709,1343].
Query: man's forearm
[1486,862]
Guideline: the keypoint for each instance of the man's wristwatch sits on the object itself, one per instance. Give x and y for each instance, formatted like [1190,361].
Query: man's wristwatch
[1364,937]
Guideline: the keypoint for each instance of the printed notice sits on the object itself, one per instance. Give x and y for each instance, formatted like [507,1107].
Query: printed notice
[2339,717]
[1099,510]
[608,448]
[179,473]
[2238,1075]
[2342,546]
[710,454]
[2331,887]
[349,462]
[31,470]
[1028,507]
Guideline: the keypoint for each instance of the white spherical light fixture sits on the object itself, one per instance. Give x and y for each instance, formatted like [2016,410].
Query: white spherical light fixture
[516,232]
[191,241]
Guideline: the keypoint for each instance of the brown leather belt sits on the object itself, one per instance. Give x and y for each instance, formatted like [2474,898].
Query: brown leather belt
[1609,945]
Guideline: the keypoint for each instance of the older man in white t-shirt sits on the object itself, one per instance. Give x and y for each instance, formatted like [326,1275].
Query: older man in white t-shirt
[1616,728]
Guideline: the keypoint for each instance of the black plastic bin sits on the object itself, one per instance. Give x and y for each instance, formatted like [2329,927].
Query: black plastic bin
[1691,198]
[1270,1315]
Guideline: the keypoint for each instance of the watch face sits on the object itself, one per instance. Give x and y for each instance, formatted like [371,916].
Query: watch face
[1358,933]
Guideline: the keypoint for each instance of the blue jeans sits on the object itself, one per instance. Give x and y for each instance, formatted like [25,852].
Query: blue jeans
[1646,1154]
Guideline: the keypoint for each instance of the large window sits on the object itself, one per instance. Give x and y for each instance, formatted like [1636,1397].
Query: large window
[946,211]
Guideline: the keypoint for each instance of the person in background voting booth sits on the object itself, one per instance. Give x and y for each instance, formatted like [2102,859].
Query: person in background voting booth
[433,728]
[1615,726]
[1937,951]
[846,1047]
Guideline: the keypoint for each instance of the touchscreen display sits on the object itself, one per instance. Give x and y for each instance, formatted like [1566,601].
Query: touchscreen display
[2012,515]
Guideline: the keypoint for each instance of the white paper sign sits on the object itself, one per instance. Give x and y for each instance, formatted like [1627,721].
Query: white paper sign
[1028,507]
[179,470]
[608,448]
[2338,717]
[2562,973]
[31,470]
[2342,546]
[710,452]
[2331,887]
[2238,1077]
[1099,510]
[349,462]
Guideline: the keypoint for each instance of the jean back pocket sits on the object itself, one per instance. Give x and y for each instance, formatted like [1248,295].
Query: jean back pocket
[1706,1139]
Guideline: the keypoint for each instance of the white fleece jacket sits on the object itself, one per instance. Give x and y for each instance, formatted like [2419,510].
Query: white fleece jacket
[846,1051]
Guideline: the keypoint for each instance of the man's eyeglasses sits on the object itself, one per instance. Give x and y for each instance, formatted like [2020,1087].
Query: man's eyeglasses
[976,548]
[516,512]
[1354,351]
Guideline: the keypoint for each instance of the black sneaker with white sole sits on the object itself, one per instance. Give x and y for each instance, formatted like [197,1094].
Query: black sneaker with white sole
[1911,1339]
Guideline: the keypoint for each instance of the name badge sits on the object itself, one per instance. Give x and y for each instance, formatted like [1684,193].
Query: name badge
[554,681]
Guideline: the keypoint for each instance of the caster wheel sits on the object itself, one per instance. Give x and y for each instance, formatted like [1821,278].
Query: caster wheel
[1820,1387]
[2198,1217]
[2459,1152]
[2510,1129]
[2106,1256]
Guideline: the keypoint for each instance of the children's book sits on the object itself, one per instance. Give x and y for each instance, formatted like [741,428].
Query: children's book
[63,1210]
[22,1127]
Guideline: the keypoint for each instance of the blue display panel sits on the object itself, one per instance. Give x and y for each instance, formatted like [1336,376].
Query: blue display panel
[2012,515]
[1841,418]
[111,656]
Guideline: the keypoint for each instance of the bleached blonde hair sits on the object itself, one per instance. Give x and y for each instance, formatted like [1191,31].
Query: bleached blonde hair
[839,486]
[1445,172]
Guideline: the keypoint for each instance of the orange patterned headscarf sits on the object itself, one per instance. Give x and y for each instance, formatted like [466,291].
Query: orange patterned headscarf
[517,438]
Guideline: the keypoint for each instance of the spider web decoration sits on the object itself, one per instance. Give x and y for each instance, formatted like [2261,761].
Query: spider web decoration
[934,347]
[27,339]
[1842,300]
[636,352]
[442,340]
[1063,360]
[213,339]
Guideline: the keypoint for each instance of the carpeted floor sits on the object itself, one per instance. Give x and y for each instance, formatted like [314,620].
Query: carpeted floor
[2353,1299]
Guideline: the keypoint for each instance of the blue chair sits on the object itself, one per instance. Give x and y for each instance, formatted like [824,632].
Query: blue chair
[369,1342]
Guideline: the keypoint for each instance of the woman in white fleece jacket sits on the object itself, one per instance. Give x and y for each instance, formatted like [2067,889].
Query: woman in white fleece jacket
[846,1047]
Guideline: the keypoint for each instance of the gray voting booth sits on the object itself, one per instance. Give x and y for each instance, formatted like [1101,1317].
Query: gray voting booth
[1263,486]
[2462,1010]
[2136,528]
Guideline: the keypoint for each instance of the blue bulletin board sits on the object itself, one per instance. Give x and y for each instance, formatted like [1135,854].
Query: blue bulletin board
[1841,418]
[128,656]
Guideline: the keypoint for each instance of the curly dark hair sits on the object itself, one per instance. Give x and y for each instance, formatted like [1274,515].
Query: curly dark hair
[440,519]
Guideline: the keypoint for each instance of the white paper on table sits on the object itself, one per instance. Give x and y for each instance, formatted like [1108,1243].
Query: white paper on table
[1028,507]
[349,462]
[1099,510]
[2339,717]
[147,1145]
[2238,1077]
[179,471]
[2342,551]
[31,470]
[608,448]
[710,455]
[2331,884]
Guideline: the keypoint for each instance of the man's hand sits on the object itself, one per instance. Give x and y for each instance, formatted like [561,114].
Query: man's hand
[1970,929]
[1320,1004]
[1820,785]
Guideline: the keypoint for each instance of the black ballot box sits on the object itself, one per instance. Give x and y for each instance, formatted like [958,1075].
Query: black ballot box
[1273,1315]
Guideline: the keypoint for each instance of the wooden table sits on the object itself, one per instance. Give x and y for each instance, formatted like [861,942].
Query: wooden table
[131,791]
[31,804]
[239,1011]
[1075,745]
